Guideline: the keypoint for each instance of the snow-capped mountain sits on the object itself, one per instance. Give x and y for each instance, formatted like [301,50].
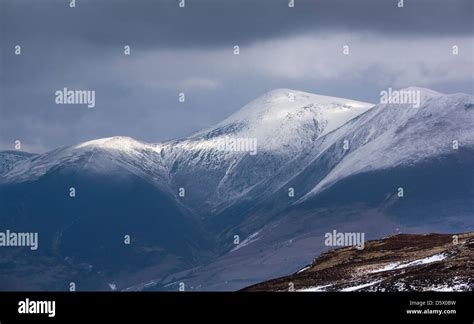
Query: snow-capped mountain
[183,201]
[385,137]
[102,155]
[285,124]
[282,123]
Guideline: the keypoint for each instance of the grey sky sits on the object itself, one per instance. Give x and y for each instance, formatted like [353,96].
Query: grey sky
[191,50]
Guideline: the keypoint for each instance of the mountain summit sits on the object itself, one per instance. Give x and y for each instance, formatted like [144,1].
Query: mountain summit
[285,119]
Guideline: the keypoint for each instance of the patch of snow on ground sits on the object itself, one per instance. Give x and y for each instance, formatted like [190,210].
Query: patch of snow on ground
[400,265]
[304,269]
[457,287]
[355,288]
[314,289]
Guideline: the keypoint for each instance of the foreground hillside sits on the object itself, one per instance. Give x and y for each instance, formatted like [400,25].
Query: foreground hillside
[405,262]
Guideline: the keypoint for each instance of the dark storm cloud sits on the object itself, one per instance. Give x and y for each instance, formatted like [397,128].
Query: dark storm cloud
[220,22]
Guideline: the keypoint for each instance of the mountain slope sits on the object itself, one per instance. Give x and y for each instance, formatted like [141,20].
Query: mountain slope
[8,159]
[392,135]
[282,239]
[116,228]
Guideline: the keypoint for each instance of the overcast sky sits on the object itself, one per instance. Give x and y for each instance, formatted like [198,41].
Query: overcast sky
[190,50]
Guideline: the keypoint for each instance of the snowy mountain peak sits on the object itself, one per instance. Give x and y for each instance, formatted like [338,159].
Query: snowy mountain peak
[286,119]
[119,143]
[279,103]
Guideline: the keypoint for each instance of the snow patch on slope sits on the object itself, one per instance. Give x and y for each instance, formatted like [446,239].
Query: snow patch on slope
[401,265]
[315,289]
[365,285]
